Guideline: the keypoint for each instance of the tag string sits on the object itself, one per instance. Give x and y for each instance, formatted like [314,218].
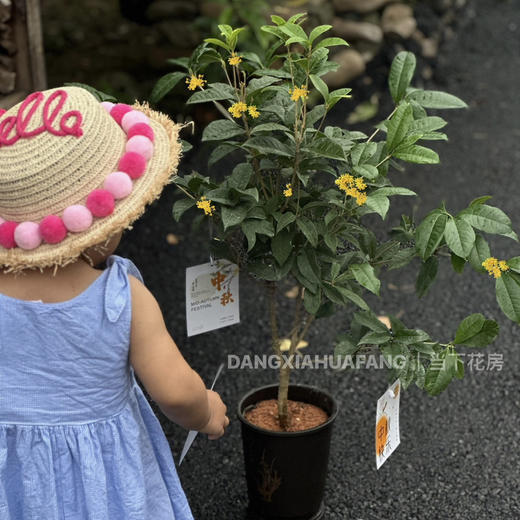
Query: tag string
[210,231]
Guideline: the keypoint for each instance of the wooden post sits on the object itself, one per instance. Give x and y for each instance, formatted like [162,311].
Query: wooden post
[25,26]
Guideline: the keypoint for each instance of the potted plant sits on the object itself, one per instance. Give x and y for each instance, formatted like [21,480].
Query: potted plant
[293,207]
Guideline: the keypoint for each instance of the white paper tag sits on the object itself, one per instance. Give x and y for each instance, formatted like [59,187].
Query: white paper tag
[387,423]
[211,296]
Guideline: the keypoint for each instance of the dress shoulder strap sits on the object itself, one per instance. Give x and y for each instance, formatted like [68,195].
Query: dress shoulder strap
[117,288]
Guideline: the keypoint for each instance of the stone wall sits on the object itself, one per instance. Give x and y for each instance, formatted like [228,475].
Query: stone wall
[7,49]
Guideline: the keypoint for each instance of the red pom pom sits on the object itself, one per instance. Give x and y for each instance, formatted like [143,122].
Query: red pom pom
[119,110]
[53,229]
[7,234]
[100,203]
[141,129]
[132,163]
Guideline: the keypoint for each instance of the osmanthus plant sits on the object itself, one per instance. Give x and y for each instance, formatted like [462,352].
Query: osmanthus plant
[293,206]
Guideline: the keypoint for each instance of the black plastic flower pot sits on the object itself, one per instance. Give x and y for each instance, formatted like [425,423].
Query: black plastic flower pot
[286,471]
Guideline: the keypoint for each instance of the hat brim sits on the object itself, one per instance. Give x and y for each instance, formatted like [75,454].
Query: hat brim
[160,169]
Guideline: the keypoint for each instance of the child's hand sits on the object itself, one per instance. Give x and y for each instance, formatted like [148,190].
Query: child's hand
[218,420]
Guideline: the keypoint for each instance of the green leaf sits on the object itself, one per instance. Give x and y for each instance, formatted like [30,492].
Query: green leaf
[321,86]
[318,31]
[345,347]
[353,297]
[219,43]
[459,236]
[417,154]
[476,331]
[164,85]
[323,146]
[180,62]
[367,171]
[220,152]
[435,99]
[221,129]
[401,73]
[488,219]
[278,20]
[369,319]
[285,219]
[410,336]
[186,146]
[442,369]
[365,276]
[331,42]
[281,246]
[259,83]
[233,216]
[427,124]
[214,92]
[398,126]
[269,127]
[393,190]
[362,152]
[457,263]
[308,228]
[513,263]
[401,258]
[508,295]
[312,302]
[426,276]
[295,31]
[98,94]
[378,203]
[375,338]
[268,145]
[306,268]
[240,176]
[479,252]
[429,233]
[180,206]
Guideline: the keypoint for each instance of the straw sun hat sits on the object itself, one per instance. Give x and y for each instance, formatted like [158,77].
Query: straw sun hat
[74,172]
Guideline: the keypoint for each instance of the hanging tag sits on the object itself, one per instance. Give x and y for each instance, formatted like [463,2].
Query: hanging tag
[211,296]
[387,423]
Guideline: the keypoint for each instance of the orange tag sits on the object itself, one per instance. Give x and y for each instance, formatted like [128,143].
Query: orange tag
[387,424]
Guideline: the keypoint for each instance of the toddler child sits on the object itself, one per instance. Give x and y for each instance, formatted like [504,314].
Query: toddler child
[78,439]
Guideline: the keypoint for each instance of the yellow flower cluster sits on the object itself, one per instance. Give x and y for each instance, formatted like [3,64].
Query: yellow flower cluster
[288,191]
[298,92]
[495,267]
[253,111]
[195,82]
[235,59]
[240,108]
[205,204]
[353,187]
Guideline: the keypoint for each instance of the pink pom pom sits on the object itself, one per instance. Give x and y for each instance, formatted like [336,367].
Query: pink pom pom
[119,110]
[141,129]
[53,229]
[107,106]
[77,218]
[119,184]
[132,163]
[100,203]
[141,145]
[7,234]
[27,235]
[132,118]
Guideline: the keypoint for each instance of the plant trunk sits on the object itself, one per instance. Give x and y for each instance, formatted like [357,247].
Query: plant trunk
[283,388]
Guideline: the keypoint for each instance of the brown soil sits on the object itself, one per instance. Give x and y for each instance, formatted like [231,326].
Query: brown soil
[302,416]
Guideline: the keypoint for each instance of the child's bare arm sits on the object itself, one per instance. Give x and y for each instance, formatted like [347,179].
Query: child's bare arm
[168,378]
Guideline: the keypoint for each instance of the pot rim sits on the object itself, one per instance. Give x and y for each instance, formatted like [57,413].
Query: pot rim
[300,433]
